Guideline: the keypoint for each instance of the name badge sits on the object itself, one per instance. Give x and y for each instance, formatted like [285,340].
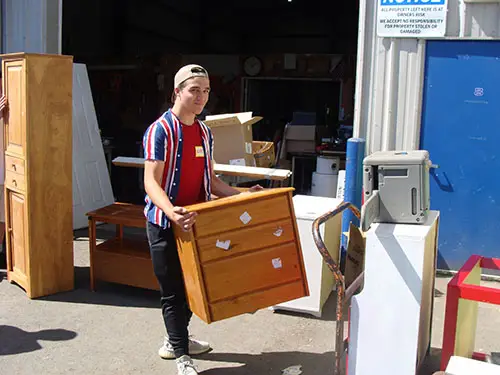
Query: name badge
[199,151]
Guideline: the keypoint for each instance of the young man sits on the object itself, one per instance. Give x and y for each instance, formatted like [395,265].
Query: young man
[178,171]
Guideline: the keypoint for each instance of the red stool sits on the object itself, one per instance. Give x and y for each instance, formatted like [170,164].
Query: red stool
[464,293]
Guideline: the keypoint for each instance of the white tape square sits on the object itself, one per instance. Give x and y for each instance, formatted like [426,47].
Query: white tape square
[224,245]
[278,232]
[277,263]
[245,218]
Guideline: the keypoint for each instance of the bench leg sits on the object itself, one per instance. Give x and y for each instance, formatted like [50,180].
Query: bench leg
[92,248]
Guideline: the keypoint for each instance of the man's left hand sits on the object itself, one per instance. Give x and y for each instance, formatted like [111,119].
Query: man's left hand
[255,188]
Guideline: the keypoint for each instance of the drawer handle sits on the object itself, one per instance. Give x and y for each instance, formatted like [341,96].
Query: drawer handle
[14,167]
[14,182]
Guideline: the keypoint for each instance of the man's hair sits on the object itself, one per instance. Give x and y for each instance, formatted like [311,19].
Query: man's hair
[174,95]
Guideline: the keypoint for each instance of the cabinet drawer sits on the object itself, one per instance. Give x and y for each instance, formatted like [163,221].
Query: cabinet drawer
[14,164]
[241,215]
[15,180]
[250,272]
[228,244]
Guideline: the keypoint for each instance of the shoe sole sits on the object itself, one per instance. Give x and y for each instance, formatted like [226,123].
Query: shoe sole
[171,355]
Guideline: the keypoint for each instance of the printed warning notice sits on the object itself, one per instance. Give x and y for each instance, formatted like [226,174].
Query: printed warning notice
[412,18]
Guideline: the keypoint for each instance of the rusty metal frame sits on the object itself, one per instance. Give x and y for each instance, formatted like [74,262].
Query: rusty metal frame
[343,296]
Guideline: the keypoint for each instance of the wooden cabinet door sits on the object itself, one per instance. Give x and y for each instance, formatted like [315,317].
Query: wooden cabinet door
[15,121]
[16,240]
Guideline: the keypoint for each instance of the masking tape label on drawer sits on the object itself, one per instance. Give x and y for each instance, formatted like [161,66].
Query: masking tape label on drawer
[277,263]
[245,218]
[223,244]
[278,232]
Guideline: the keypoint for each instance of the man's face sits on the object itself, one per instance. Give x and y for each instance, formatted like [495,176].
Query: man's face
[195,93]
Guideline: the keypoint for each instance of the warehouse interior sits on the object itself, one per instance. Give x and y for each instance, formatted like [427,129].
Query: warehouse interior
[279,59]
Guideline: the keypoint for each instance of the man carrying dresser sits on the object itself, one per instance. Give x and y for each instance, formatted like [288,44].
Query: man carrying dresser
[178,171]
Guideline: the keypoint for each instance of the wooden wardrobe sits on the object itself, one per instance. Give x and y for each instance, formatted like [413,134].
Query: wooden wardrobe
[38,172]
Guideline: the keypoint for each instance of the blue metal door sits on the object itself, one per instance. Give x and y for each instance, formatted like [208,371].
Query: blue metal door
[461,130]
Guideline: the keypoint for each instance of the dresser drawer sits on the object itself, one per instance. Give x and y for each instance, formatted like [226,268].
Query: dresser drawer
[240,215]
[15,180]
[251,272]
[228,244]
[14,164]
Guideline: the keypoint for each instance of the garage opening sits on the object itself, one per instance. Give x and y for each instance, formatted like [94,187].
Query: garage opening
[280,59]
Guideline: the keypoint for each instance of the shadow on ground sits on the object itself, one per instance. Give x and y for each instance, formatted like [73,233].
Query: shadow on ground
[108,294]
[269,363]
[276,362]
[14,340]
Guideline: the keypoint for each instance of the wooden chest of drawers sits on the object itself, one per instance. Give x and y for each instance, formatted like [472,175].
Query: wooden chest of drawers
[243,254]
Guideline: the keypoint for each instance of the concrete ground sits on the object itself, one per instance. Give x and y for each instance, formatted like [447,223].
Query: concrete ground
[118,330]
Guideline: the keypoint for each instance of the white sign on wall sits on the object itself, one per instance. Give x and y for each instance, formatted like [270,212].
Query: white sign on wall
[412,18]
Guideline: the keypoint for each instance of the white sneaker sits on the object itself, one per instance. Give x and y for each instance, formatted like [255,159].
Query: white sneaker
[185,366]
[195,347]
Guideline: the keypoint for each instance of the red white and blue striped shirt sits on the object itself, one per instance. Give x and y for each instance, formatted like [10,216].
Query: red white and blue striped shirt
[163,141]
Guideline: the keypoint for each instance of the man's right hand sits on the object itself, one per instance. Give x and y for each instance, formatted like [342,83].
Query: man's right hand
[182,217]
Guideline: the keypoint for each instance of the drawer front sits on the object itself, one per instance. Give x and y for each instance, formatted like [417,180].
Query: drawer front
[242,215]
[236,242]
[15,180]
[248,273]
[15,165]
[249,303]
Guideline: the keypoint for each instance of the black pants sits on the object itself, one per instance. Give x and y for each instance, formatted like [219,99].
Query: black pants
[168,271]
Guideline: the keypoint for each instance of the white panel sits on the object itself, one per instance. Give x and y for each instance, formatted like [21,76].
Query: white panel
[390,74]
[24,23]
[91,182]
[319,278]
[467,366]
[31,26]
[389,319]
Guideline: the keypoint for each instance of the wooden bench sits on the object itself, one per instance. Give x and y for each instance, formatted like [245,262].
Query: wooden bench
[120,260]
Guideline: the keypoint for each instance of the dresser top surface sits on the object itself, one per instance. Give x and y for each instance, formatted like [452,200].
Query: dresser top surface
[239,198]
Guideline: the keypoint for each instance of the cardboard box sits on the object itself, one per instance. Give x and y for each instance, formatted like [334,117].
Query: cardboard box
[233,137]
[301,138]
[356,248]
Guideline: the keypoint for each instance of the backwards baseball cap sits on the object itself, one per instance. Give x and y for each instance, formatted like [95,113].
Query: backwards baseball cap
[189,71]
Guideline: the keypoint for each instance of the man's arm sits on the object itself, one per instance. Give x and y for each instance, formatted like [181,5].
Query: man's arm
[153,172]
[221,189]
[154,144]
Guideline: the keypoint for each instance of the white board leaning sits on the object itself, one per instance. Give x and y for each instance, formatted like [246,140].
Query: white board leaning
[411,18]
